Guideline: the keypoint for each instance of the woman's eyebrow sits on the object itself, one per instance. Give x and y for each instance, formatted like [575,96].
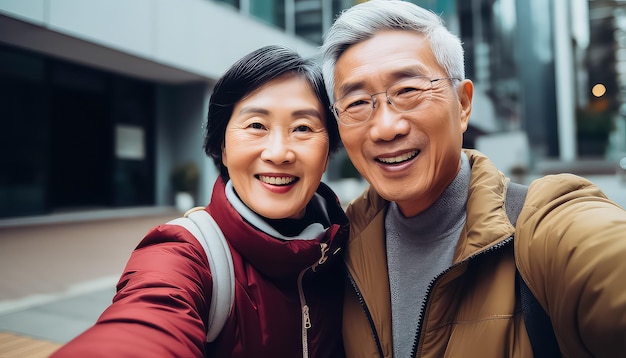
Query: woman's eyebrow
[296,113]
[307,113]
[246,110]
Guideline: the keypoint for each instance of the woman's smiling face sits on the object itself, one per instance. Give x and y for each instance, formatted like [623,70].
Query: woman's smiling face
[276,147]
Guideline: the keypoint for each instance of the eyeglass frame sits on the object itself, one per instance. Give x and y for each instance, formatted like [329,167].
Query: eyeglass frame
[335,110]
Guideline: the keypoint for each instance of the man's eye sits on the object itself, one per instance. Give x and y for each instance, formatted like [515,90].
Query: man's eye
[353,103]
[408,90]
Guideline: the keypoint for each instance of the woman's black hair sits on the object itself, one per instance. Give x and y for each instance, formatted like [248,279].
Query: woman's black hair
[246,75]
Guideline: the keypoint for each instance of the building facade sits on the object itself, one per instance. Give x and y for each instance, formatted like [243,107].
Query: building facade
[101,101]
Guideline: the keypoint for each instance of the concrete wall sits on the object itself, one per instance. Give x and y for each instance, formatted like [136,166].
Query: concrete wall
[196,36]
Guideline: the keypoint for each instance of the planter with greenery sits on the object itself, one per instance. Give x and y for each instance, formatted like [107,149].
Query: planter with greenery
[184,180]
[592,132]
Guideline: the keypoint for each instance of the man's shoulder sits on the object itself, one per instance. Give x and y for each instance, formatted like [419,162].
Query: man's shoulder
[550,187]
[562,178]
[564,199]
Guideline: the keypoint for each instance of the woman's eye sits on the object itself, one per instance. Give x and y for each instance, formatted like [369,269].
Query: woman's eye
[256,125]
[302,129]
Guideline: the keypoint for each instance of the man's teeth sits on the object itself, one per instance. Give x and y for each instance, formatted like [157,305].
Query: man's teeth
[277,180]
[400,158]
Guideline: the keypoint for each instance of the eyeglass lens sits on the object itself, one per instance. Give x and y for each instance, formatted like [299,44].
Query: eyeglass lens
[404,96]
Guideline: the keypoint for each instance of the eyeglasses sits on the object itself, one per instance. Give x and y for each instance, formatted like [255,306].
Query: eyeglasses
[407,95]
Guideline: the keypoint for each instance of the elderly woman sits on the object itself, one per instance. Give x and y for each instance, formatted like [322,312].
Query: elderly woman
[270,133]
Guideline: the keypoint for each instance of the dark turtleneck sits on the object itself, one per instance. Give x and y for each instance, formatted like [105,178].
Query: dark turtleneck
[293,227]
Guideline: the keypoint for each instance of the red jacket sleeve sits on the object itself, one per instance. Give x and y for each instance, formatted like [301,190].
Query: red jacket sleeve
[160,309]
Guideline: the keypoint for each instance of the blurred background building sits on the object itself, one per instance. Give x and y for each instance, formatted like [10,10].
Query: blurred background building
[102,103]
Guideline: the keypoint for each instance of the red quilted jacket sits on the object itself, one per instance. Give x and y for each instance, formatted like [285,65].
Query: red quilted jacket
[161,307]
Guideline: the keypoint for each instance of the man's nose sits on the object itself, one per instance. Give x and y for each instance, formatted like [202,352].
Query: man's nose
[386,122]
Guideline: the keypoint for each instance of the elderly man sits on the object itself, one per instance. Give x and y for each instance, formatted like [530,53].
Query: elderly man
[439,237]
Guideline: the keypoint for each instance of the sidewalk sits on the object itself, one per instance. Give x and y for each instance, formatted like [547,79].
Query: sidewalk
[60,271]
[18,346]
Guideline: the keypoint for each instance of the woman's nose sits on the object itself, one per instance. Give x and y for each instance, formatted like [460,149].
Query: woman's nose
[277,150]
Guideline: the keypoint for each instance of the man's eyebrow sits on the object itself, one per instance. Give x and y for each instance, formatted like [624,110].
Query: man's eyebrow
[397,75]
[408,72]
[349,87]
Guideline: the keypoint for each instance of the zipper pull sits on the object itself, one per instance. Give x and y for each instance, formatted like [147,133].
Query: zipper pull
[324,248]
[306,319]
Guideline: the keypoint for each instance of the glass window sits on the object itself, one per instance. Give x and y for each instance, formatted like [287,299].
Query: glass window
[233,3]
[270,11]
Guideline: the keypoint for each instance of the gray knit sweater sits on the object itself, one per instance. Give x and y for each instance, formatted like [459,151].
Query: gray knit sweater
[418,249]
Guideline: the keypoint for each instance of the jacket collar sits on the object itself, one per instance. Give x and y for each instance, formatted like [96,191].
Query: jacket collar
[313,231]
[487,223]
[271,255]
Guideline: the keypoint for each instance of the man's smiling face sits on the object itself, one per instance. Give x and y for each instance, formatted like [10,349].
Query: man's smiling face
[408,157]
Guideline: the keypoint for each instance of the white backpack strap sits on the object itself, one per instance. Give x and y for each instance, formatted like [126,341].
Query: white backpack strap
[199,223]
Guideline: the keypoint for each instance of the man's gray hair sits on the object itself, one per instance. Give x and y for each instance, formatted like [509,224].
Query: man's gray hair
[363,21]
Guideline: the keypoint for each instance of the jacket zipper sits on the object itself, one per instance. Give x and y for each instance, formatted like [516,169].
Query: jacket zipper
[367,314]
[415,351]
[306,318]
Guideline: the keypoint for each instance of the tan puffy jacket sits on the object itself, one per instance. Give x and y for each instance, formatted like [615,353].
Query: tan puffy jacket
[570,244]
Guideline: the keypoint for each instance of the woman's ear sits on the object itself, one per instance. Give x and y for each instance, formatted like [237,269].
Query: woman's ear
[224,158]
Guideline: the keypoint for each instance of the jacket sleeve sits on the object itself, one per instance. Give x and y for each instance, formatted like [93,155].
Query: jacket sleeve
[160,309]
[571,244]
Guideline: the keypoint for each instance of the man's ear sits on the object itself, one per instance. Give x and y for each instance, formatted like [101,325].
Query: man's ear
[465,92]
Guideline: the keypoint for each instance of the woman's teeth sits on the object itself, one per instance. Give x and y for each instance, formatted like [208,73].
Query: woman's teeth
[276,180]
